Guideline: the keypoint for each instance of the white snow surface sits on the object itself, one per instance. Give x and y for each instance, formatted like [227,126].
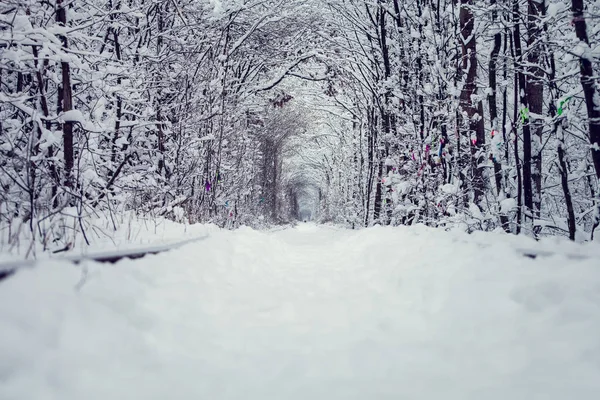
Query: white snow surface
[73,115]
[132,233]
[311,312]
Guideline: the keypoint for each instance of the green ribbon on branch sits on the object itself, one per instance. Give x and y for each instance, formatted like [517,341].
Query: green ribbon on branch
[524,114]
[561,106]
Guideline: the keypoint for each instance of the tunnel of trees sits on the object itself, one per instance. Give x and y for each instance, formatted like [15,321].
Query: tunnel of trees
[482,114]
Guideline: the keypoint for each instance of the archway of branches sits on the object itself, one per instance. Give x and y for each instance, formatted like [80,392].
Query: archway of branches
[256,111]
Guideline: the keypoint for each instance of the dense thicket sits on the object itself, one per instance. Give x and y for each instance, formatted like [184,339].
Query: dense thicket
[482,113]
[443,112]
[160,107]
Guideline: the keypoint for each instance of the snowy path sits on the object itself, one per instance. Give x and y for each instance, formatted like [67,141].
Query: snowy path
[307,313]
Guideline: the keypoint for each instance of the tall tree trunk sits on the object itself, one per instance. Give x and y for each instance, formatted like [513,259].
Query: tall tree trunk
[586,71]
[493,102]
[562,163]
[119,111]
[46,111]
[380,196]
[515,130]
[371,152]
[474,112]
[495,152]
[564,180]
[494,119]
[523,109]
[66,98]
[560,136]
[535,97]
[492,98]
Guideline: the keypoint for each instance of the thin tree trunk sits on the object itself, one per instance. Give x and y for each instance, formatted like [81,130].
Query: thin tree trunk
[494,112]
[559,134]
[564,180]
[493,92]
[119,111]
[522,108]
[516,143]
[385,117]
[371,138]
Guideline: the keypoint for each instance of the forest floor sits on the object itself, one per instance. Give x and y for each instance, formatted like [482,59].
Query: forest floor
[311,312]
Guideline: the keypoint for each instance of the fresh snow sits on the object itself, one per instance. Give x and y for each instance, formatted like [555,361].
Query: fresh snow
[311,312]
[508,205]
[74,116]
[131,234]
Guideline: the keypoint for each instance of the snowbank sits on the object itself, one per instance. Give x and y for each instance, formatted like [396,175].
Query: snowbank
[310,312]
[129,232]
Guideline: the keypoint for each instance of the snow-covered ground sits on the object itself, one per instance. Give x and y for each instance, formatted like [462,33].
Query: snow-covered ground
[310,312]
[126,232]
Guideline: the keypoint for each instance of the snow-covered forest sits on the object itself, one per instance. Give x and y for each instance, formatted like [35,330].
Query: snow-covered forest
[299,199]
[478,114]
